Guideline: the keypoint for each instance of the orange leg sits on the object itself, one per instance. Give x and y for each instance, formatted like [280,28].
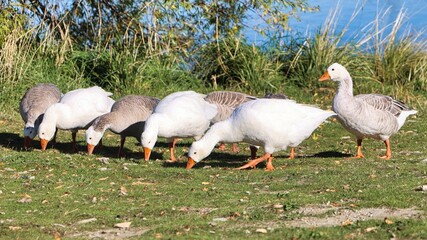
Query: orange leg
[292,154]
[359,149]
[253,151]
[269,166]
[221,147]
[122,143]
[172,150]
[253,163]
[235,148]
[387,155]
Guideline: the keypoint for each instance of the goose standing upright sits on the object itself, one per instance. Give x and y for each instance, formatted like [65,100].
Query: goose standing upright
[76,110]
[127,118]
[180,114]
[274,124]
[33,105]
[366,115]
[226,102]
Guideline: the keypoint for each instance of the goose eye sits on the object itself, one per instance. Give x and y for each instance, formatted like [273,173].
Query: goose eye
[90,138]
[194,153]
[43,133]
[333,69]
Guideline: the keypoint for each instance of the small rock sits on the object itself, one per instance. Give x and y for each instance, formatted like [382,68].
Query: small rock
[103,160]
[122,225]
[222,219]
[84,221]
[261,230]
[277,206]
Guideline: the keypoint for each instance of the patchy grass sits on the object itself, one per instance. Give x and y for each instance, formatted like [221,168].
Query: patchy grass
[47,194]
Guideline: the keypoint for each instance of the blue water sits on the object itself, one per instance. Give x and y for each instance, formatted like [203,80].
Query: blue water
[415,20]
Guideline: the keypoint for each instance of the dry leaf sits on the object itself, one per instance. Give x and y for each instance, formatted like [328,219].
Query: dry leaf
[346,223]
[25,199]
[122,225]
[123,191]
[387,221]
[102,179]
[370,229]
[261,230]
[205,183]
[14,228]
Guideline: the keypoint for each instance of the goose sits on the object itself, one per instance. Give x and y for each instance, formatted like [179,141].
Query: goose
[180,114]
[127,118]
[76,110]
[273,124]
[33,105]
[226,102]
[366,115]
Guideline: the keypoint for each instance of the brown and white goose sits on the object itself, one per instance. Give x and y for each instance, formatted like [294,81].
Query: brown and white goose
[127,118]
[366,115]
[226,102]
[33,105]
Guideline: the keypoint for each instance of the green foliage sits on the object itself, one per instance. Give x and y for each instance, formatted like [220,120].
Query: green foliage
[236,64]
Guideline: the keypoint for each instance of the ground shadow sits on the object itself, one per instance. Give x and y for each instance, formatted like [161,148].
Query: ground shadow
[12,141]
[330,154]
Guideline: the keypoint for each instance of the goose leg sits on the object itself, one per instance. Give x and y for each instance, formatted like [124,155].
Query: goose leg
[359,149]
[172,150]
[387,155]
[253,151]
[235,148]
[122,143]
[292,154]
[73,136]
[269,166]
[222,147]
[253,163]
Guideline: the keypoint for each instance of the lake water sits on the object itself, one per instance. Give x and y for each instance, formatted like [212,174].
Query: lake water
[415,17]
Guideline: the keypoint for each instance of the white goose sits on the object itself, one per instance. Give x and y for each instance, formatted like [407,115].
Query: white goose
[33,105]
[76,110]
[366,115]
[127,118]
[226,102]
[180,114]
[274,124]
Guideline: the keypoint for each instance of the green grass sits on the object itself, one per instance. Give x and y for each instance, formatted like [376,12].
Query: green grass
[172,202]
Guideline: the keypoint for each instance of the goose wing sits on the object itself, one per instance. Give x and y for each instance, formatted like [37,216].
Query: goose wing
[383,103]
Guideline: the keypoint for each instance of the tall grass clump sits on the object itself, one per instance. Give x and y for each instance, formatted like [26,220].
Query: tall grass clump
[396,57]
[233,63]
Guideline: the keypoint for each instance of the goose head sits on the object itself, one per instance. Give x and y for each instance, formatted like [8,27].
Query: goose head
[336,72]
[29,133]
[196,153]
[46,133]
[92,138]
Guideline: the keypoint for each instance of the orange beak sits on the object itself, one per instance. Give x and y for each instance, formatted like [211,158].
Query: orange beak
[147,153]
[190,163]
[325,77]
[27,141]
[90,148]
[43,143]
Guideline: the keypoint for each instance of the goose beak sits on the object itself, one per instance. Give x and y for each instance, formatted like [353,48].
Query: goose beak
[325,77]
[190,163]
[27,142]
[43,143]
[90,148]
[147,153]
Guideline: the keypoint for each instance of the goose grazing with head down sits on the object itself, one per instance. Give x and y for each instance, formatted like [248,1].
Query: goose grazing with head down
[180,114]
[274,124]
[366,115]
[127,118]
[226,102]
[33,105]
[76,110]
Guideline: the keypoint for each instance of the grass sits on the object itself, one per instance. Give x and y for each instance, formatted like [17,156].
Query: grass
[211,201]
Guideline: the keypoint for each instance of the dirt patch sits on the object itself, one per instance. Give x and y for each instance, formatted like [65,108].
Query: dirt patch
[337,216]
[111,233]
